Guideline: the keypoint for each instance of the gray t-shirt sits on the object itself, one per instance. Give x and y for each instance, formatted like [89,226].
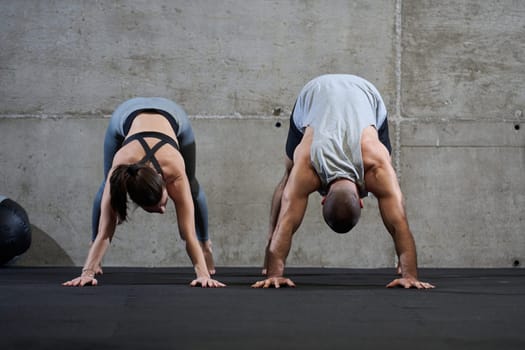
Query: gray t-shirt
[338,107]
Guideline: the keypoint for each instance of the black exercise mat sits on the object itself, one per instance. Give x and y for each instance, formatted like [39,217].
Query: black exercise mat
[142,308]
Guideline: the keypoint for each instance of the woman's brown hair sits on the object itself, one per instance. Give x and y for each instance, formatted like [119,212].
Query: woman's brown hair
[143,185]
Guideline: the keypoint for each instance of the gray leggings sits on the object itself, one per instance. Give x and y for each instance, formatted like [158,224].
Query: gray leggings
[113,142]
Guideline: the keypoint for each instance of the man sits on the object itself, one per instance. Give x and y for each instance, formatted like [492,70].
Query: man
[338,145]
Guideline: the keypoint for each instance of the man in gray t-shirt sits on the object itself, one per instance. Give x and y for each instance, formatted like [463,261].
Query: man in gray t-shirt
[338,145]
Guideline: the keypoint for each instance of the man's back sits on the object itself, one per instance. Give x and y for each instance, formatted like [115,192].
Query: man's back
[338,108]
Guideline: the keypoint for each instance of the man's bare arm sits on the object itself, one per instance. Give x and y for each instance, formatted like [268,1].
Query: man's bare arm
[276,208]
[381,180]
[293,207]
[301,181]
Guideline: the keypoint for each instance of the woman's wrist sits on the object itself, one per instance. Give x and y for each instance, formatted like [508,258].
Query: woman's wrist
[88,273]
[201,272]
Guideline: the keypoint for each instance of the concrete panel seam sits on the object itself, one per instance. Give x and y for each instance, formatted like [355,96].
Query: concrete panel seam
[458,119]
[397,112]
[107,116]
[236,116]
[398,56]
[464,146]
[52,116]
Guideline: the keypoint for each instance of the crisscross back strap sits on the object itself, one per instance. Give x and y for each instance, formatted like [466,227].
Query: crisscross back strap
[150,151]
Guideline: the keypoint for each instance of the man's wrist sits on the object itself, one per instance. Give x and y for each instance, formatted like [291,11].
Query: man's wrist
[409,274]
[274,271]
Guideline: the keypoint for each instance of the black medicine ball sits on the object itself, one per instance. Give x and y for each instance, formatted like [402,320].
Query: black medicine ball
[15,230]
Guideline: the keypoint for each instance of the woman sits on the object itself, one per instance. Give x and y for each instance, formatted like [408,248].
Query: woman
[149,155]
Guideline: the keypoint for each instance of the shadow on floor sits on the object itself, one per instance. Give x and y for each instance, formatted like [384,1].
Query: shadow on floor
[44,251]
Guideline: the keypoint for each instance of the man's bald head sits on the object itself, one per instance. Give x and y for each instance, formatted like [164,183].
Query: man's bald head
[341,208]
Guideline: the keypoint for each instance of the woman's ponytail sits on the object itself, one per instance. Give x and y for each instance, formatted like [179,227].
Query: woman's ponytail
[119,192]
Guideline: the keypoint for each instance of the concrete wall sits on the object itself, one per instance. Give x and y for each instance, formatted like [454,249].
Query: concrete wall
[451,74]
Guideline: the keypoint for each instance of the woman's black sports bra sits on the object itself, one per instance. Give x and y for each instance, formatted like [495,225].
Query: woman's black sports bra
[150,152]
